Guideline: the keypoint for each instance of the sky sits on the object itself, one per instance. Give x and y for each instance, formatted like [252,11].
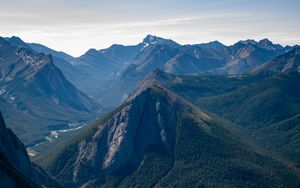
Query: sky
[74,26]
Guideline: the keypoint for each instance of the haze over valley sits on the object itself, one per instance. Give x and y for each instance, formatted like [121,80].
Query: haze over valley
[200,96]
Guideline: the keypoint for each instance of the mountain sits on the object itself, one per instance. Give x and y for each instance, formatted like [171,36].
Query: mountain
[60,59]
[32,86]
[121,67]
[77,75]
[249,54]
[150,40]
[212,58]
[16,41]
[263,107]
[112,64]
[285,63]
[196,59]
[97,71]
[84,71]
[122,53]
[154,52]
[183,64]
[16,170]
[158,139]
[154,57]
[206,58]
[267,108]
[212,44]
[192,87]
[44,49]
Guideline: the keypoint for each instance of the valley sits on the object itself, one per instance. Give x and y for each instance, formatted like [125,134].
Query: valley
[154,114]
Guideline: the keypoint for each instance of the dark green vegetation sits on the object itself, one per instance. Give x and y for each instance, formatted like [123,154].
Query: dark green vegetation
[269,109]
[11,177]
[201,151]
[266,107]
[16,170]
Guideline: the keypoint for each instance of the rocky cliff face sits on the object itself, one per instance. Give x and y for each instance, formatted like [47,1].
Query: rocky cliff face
[121,142]
[12,149]
[16,170]
[155,139]
[285,63]
[33,89]
[25,65]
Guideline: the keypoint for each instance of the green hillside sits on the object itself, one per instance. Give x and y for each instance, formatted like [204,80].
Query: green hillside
[199,151]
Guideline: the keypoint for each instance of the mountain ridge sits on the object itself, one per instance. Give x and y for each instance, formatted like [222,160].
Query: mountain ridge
[285,63]
[35,90]
[253,103]
[128,64]
[118,137]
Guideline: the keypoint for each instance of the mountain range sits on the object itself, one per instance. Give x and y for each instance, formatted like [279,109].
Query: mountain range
[202,115]
[200,59]
[122,67]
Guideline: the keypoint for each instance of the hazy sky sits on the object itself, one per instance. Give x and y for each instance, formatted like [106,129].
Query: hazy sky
[74,26]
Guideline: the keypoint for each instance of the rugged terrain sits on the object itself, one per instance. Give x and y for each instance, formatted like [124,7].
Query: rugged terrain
[16,170]
[35,92]
[159,139]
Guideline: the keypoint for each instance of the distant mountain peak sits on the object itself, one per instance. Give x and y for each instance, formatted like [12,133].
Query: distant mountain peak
[152,39]
[92,51]
[116,45]
[248,41]
[212,44]
[269,45]
[215,42]
[16,41]
[265,41]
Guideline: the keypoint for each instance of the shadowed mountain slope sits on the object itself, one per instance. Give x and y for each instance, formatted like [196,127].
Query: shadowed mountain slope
[265,107]
[16,170]
[32,87]
[159,139]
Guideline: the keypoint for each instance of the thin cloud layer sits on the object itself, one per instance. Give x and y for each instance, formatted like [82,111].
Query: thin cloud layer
[76,26]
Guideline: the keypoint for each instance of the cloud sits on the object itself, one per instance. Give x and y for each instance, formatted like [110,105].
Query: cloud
[75,26]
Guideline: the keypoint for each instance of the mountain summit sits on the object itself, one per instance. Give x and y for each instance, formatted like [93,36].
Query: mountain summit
[152,140]
[152,39]
[34,90]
